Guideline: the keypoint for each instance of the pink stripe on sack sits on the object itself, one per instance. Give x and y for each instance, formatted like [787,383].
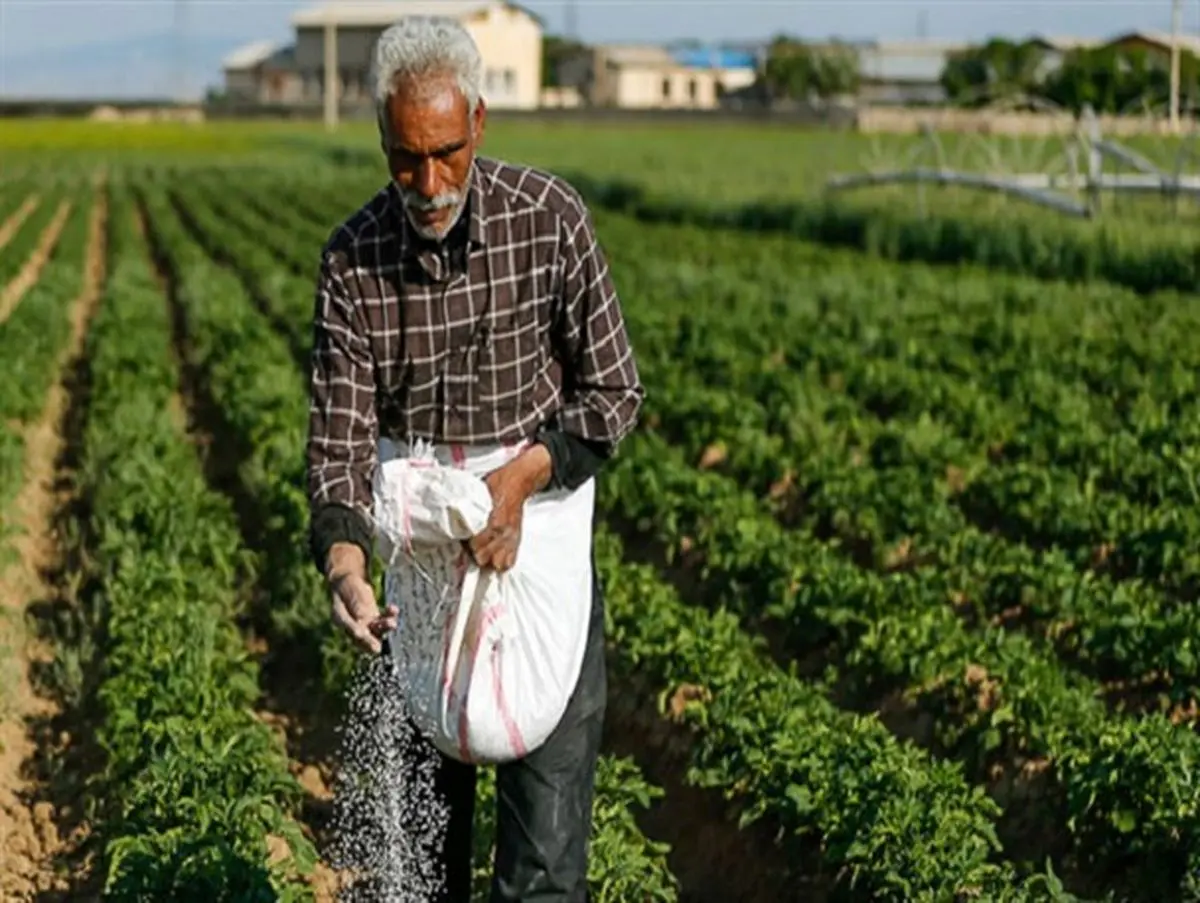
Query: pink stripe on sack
[514,733]
[464,751]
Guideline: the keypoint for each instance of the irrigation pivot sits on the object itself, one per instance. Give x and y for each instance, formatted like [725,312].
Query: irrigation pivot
[1044,188]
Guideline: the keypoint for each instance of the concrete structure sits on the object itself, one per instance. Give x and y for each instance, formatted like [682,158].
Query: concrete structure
[904,72]
[262,72]
[649,77]
[509,38]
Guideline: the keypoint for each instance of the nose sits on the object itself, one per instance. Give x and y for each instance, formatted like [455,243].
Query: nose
[426,179]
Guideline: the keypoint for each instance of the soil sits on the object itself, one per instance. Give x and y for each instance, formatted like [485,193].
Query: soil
[28,277]
[10,226]
[32,838]
[714,860]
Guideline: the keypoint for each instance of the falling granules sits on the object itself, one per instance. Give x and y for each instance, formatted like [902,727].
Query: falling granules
[388,821]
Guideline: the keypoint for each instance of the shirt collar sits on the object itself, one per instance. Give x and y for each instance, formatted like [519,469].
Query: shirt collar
[474,215]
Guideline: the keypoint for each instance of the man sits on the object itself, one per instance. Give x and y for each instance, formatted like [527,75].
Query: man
[469,302]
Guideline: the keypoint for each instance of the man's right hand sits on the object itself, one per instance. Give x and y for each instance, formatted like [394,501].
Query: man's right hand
[354,607]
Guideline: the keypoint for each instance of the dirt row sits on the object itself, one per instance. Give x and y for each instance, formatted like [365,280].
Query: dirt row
[35,727]
[12,293]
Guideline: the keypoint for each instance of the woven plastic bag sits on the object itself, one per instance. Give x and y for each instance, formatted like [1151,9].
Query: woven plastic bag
[488,660]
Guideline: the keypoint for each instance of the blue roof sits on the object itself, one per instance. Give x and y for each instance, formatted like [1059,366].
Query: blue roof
[705,57]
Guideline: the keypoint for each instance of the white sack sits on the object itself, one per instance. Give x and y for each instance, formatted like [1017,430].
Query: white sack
[488,660]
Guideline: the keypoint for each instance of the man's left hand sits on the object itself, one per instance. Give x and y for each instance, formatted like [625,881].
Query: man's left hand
[511,486]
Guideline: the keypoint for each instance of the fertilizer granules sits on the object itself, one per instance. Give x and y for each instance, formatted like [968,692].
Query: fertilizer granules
[388,821]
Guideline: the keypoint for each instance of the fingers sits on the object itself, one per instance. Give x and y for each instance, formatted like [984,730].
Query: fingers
[355,611]
[386,622]
[496,548]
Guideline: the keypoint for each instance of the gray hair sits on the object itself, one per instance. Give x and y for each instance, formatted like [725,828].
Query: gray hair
[419,46]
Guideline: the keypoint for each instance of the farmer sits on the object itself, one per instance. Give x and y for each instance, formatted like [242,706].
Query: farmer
[405,303]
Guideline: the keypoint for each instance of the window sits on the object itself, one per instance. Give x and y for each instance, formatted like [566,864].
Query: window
[510,81]
[492,80]
[666,88]
[693,89]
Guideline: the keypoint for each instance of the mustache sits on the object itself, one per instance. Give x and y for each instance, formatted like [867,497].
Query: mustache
[418,202]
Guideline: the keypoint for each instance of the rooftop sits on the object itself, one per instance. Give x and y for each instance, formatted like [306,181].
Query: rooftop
[655,56]
[250,55]
[1190,42]
[715,58]
[637,55]
[381,13]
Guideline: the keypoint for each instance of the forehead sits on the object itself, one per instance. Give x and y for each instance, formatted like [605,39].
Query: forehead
[428,108]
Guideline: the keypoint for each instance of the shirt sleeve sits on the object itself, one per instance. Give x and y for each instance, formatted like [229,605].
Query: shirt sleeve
[600,377]
[341,453]
[573,461]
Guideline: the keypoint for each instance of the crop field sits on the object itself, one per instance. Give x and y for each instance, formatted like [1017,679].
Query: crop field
[901,566]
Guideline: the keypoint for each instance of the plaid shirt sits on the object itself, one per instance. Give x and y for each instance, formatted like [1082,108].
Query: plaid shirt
[509,326]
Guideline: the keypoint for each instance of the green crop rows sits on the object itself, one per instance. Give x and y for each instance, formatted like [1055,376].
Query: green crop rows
[901,566]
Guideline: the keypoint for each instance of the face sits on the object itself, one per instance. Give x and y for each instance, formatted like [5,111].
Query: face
[430,140]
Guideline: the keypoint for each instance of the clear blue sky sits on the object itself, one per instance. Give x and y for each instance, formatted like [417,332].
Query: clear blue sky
[125,47]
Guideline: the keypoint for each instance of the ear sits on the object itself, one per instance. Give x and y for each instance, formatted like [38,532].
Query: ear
[478,121]
[381,120]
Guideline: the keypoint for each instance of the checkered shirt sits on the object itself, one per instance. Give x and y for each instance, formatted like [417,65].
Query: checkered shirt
[510,325]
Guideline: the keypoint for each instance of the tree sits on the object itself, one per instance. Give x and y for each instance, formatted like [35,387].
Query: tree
[797,70]
[1117,79]
[555,52]
[996,70]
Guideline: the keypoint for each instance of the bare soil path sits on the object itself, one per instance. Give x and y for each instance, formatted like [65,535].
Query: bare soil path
[30,816]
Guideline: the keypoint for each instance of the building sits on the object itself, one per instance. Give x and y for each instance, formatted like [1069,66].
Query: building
[262,73]
[904,72]
[649,77]
[509,38]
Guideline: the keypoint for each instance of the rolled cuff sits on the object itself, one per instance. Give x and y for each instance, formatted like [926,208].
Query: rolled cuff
[573,460]
[334,523]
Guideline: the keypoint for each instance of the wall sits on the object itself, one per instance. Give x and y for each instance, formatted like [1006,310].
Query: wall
[355,47]
[653,87]
[242,84]
[663,87]
[510,43]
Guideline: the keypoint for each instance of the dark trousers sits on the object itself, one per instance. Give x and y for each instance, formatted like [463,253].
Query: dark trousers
[543,801]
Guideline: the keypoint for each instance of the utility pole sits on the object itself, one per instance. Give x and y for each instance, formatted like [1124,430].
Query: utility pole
[331,69]
[572,21]
[180,86]
[1176,28]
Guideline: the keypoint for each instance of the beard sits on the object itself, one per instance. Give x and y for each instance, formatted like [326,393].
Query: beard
[455,201]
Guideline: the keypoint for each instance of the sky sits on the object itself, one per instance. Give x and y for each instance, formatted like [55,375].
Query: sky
[130,48]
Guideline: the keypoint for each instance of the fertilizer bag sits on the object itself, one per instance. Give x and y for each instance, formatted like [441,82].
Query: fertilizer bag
[488,660]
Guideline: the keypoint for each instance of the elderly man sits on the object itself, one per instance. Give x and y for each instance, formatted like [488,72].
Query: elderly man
[468,302]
